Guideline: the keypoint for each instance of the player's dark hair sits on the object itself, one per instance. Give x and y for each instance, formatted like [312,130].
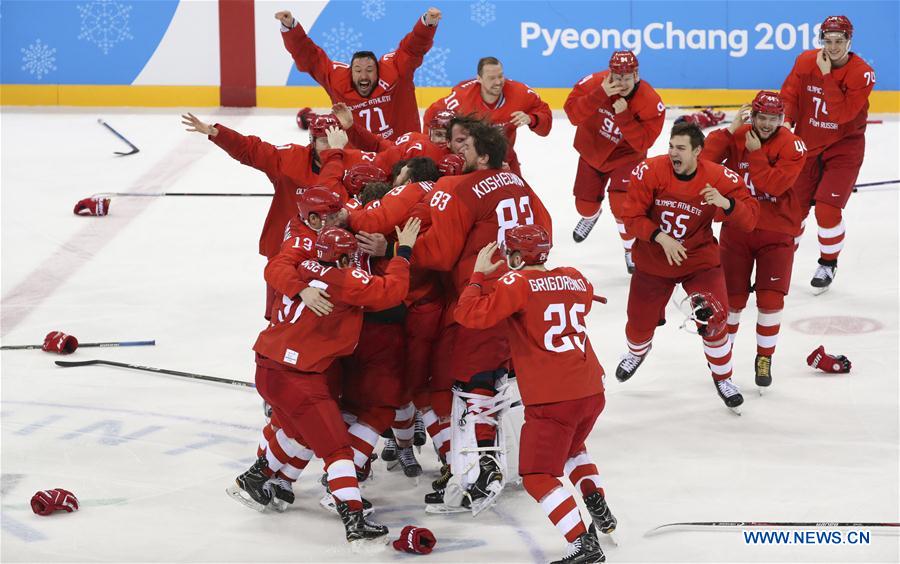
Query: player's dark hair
[487,61]
[465,121]
[363,55]
[373,191]
[421,169]
[490,141]
[692,130]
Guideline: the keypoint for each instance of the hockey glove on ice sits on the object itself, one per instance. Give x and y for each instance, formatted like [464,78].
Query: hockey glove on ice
[59,342]
[92,206]
[46,502]
[415,540]
[830,363]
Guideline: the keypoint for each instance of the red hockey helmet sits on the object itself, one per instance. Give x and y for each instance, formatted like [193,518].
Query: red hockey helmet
[768,102]
[708,313]
[303,117]
[440,121]
[318,125]
[451,165]
[623,62]
[836,23]
[361,174]
[531,241]
[333,242]
[318,200]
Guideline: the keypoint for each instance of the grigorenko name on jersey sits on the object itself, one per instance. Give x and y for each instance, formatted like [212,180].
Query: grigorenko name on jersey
[556,283]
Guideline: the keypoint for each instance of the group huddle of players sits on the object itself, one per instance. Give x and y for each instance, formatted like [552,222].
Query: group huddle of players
[409,297]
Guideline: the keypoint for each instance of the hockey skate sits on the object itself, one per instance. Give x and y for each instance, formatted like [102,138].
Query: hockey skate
[250,487]
[583,228]
[730,394]
[389,452]
[629,262]
[763,367]
[282,493]
[434,501]
[824,276]
[603,519]
[327,500]
[484,492]
[407,461]
[420,437]
[358,528]
[585,550]
[629,365]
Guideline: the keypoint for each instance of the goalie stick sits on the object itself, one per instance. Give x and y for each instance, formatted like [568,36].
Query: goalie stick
[80,345]
[70,364]
[120,136]
[702,525]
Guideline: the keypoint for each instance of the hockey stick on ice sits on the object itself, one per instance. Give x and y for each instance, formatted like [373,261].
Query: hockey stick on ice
[873,184]
[158,194]
[703,525]
[69,364]
[120,136]
[80,345]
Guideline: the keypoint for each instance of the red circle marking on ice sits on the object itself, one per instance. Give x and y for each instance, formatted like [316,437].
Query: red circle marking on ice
[836,325]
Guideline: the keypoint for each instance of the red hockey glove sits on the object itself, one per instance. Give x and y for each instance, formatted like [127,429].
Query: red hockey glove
[303,117]
[59,342]
[828,362]
[451,165]
[92,206]
[46,502]
[415,540]
[705,118]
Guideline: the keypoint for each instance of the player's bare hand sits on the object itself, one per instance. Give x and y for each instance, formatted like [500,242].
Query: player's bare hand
[823,62]
[316,299]
[675,251]
[519,119]
[742,117]
[752,140]
[285,17]
[620,105]
[432,16]
[407,235]
[713,197]
[611,87]
[373,244]
[484,262]
[195,124]
[343,114]
[337,137]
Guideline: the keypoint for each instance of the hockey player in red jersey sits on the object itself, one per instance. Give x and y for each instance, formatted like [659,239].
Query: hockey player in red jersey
[290,168]
[559,377]
[294,352]
[671,204]
[380,92]
[618,117]
[504,103]
[770,158]
[468,212]
[826,98]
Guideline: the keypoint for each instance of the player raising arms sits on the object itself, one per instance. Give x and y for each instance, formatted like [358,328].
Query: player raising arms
[504,103]
[770,157]
[380,92]
[826,97]
[618,118]
[671,204]
[559,377]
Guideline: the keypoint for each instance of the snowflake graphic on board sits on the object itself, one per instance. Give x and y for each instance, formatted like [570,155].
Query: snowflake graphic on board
[373,9]
[38,59]
[105,23]
[483,12]
[433,71]
[341,42]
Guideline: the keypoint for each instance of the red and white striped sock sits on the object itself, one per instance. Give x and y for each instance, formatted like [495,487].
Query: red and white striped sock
[831,241]
[639,349]
[768,325]
[362,440]
[627,240]
[718,355]
[583,474]
[557,503]
[734,322]
[343,484]
[800,236]
[268,432]
[404,421]
[286,456]
[484,432]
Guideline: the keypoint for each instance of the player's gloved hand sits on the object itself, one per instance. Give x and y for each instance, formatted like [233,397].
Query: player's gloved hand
[706,118]
[46,502]
[833,364]
[415,540]
[94,205]
[304,116]
[59,342]
[451,165]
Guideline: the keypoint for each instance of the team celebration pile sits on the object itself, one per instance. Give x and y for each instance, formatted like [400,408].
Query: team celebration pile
[407,297]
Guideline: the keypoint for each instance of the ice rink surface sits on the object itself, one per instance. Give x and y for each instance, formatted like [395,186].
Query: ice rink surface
[149,456]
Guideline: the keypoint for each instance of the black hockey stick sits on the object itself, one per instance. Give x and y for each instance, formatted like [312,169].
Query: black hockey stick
[108,344]
[158,194]
[69,364]
[702,525]
[120,136]
[869,184]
